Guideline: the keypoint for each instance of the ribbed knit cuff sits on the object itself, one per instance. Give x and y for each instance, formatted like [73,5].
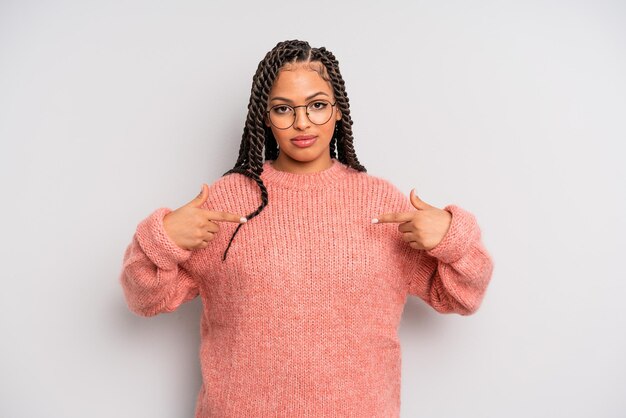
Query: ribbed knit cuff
[462,233]
[157,245]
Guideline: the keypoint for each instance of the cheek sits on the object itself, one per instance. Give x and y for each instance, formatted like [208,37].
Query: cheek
[329,130]
[281,136]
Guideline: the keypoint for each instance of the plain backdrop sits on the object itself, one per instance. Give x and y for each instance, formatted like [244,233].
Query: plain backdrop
[513,110]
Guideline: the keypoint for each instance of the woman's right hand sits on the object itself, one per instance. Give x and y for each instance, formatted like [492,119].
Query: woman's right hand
[191,227]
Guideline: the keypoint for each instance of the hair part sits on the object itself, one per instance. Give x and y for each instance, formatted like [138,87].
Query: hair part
[258,143]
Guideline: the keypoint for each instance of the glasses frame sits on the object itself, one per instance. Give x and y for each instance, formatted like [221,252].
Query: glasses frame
[307,113]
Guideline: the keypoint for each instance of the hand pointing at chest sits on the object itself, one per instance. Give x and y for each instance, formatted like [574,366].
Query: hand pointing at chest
[192,227]
[424,228]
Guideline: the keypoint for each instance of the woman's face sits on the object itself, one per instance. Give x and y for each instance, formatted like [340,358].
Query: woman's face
[299,85]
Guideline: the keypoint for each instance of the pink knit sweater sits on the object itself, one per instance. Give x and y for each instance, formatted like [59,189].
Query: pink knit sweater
[301,318]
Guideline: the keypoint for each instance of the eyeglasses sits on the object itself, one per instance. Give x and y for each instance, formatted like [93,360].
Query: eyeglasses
[283,116]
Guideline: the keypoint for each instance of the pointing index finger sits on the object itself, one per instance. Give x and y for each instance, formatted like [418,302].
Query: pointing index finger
[393,217]
[226,217]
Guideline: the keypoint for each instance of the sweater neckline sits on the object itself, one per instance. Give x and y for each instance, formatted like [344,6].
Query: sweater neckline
[288,180]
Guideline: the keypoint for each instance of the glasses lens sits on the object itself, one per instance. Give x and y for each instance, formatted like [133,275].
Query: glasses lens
[281,116]
[319,111]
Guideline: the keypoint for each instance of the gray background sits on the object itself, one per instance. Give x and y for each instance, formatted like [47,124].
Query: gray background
[513,110]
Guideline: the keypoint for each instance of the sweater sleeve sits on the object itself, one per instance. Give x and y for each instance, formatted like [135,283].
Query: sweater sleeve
[152,277]
[453,276]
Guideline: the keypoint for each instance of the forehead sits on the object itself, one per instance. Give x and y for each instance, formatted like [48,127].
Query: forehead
[299,81]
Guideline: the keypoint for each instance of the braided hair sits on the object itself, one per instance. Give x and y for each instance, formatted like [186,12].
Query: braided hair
[258,138]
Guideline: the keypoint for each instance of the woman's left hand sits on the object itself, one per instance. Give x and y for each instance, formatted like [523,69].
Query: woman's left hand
[422,229]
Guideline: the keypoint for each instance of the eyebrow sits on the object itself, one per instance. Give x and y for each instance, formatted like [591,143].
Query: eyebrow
[308,98]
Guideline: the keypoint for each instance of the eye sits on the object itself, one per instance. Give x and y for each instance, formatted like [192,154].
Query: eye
[281,109]
[319,105]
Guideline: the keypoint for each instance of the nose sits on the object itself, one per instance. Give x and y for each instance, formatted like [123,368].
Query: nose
[302,119]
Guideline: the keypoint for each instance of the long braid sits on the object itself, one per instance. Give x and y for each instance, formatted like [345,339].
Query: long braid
[243,150]
[333,144]
[258,141]
[345,146]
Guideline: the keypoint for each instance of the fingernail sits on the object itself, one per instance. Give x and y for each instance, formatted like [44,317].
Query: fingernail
[374,220]
[243,220]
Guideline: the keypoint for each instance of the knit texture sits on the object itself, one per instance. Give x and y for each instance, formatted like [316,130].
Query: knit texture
[301,319]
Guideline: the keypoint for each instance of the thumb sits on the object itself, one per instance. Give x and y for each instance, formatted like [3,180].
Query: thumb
[417,202]
[201,198]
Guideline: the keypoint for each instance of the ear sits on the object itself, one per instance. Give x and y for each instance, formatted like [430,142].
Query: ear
[339,115]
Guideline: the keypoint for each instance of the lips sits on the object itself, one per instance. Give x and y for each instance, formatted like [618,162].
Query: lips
[303,141]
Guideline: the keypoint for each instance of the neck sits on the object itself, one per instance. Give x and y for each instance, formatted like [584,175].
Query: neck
[289,165]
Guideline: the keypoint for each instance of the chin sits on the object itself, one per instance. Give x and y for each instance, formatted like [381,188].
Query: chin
[306,156]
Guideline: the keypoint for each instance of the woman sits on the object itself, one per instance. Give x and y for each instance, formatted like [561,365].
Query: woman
[301,310]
